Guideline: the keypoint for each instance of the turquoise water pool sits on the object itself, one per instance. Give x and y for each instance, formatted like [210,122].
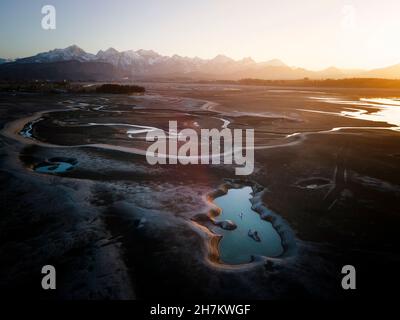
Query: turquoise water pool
[236,246]
[58,167]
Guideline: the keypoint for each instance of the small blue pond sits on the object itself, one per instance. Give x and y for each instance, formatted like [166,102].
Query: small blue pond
[237,246]
[56,165]
[59,167]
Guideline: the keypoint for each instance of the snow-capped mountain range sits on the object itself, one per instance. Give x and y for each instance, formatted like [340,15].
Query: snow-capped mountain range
[149,64]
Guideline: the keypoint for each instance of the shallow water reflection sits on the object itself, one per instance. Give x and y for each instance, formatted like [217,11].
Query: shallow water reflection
[236,246]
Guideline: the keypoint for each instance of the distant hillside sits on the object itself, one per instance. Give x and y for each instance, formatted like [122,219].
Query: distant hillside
[119,89]
[63,70]
[4,61]
[337,83]
[388,73]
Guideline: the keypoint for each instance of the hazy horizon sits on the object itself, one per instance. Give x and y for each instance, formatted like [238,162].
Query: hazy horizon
[311,35]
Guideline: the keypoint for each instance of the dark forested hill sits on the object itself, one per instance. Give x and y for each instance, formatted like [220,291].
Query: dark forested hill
[62,70]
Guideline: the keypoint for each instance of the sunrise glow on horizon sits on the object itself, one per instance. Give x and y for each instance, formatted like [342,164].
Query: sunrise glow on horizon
[308,34]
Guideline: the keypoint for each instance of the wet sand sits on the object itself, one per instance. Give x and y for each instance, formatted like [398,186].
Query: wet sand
[147,212]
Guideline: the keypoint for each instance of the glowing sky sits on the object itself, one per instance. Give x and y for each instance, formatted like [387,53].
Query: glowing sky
[314,34]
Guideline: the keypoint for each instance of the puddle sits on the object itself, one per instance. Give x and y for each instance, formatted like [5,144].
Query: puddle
[383,109]
[236,245]
[56,165]
[27,130]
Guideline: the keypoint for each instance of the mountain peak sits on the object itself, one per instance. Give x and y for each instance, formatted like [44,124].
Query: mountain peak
[222,59]
[72,52]
[111,50]
[273,63]
[73,49]
[149,53]
[247,60]
[332,69]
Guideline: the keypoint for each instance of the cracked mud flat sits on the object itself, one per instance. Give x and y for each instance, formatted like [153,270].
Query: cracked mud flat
[117,228]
